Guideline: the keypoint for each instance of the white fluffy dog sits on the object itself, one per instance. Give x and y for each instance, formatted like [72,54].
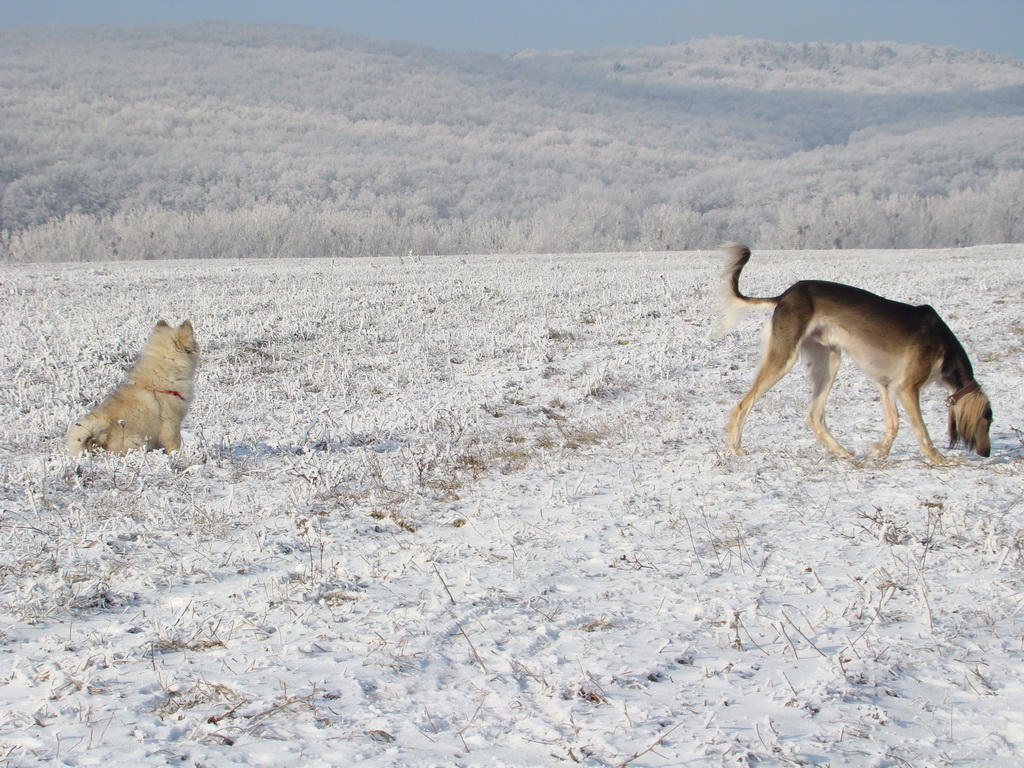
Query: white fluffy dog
[147,410]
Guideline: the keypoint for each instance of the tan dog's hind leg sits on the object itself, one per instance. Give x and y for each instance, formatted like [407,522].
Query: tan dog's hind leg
[775,365]
[824,364]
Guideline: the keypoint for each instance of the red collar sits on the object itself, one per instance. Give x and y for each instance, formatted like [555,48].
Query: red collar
[169,392]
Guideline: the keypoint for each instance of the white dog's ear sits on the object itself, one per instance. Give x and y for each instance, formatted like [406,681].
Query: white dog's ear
[186,336]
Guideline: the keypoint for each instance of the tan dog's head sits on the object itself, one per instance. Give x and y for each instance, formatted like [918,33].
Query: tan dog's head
[970,419]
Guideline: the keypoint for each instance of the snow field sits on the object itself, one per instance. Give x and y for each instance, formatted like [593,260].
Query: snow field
[476,511]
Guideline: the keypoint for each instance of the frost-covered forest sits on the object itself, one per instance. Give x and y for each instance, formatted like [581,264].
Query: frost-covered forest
[216,140]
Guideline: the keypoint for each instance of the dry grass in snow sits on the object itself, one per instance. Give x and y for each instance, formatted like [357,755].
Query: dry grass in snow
[476,511]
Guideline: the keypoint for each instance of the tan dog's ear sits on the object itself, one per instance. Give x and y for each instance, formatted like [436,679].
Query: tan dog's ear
[161,324]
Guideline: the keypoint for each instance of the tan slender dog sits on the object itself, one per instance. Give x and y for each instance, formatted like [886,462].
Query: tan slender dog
[901,347]
[147,410]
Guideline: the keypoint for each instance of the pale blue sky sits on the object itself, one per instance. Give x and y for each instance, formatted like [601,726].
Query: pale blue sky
[512,25]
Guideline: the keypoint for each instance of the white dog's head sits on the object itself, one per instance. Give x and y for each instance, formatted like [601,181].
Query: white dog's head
[168,361]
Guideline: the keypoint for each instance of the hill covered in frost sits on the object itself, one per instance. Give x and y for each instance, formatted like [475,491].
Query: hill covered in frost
[323,143]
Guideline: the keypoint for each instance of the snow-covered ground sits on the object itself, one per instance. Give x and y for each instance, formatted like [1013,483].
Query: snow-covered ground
[476,511]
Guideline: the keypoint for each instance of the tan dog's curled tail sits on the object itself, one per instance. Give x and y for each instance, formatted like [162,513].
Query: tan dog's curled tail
[734,303]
